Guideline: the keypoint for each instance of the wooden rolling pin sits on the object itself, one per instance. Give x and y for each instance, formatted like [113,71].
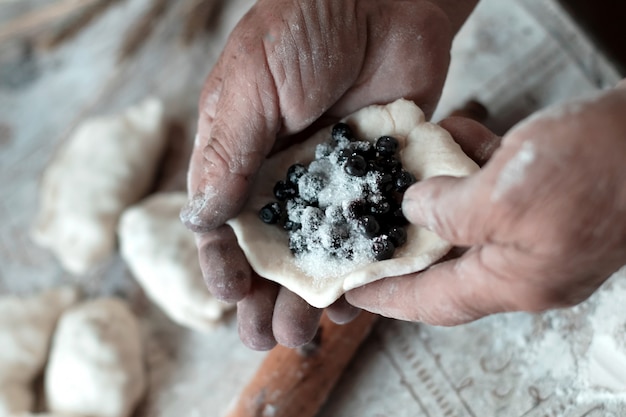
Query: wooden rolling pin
[296,382]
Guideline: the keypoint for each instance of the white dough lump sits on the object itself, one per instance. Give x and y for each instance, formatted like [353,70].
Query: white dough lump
[107,164]
[96,365]
[162,255]
[424,150]
[26,327]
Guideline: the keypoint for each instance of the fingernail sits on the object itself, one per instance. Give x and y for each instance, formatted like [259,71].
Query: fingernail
[191,213]
[412,208]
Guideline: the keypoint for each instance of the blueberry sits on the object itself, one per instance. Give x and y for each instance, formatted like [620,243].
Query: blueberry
[404,179]
[386,183]
[375,165]
[380,207]
[270,213]
[368,226]
[290,225]
[397,235]
[295,172]
[345,153]
[390,165]
[382,247]
[342,130]
[355,209]
[356,166]
[284,190]
[397,217]
[386,145]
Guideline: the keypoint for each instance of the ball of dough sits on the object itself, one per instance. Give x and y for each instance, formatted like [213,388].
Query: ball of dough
[107,164]
[162,255]
[26,327]
[96,365]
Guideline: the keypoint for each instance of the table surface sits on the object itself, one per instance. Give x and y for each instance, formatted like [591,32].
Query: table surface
[515,56]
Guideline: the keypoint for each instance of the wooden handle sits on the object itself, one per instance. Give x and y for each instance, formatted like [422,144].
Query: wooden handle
[296,382]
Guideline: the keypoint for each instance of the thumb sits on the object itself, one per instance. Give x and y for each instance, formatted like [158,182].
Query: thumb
[450,207]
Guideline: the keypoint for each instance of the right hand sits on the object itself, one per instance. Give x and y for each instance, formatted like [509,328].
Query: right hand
[291,66]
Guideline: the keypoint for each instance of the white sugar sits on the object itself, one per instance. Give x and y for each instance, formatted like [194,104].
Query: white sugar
[329,244]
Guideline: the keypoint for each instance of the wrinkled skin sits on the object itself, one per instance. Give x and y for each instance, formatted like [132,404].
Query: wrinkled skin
[288,68]
[544,221]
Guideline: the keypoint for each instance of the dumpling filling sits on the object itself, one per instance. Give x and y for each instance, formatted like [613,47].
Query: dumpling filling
[343,210]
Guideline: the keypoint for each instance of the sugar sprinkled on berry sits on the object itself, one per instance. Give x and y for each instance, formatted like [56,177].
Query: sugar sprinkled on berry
[386,145]
[356,165]
[343,209]
[383,247]
[270,213]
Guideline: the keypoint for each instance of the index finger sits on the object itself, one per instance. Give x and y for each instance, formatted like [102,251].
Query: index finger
[237,126]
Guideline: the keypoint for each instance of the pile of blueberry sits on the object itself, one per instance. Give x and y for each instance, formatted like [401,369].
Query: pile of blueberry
[362,210]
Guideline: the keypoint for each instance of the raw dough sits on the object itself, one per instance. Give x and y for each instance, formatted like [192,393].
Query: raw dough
[107,164]
[426,150]
[163,257]
[26,327]
[96,365]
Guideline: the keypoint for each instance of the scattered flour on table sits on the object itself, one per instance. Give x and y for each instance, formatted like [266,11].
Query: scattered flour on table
[583,348]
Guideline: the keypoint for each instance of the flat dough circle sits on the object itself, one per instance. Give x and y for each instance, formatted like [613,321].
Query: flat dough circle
[426,150]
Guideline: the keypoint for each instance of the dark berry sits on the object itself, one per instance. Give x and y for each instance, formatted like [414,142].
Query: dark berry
[345,153]
[284,190]
[397,217]
[368,225]
[375,165]
[390,165]
[291,226]
[295,172]
[356,166]
[380,207]
[382,248]
[386,183]
[404,179]
[342,130]
[270,213]
[386,145]
[355,209]
[397,235]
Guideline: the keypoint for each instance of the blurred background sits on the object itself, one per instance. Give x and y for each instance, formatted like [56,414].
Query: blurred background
[63,61]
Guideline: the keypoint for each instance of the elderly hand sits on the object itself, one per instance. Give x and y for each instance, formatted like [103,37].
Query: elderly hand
[545,221]
[287,67]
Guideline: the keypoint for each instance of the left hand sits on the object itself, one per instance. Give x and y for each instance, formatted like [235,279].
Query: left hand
[289,66]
